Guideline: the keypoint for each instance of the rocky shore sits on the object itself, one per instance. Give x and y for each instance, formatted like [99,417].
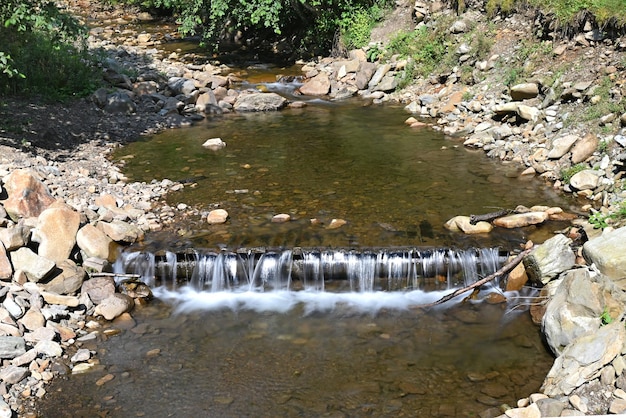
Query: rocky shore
[65,209]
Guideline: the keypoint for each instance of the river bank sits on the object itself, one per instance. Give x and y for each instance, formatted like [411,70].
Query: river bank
[69,151]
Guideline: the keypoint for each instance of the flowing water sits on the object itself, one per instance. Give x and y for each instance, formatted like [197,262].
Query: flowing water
[317,321]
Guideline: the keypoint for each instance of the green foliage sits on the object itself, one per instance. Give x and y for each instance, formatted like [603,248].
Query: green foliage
[500,6]
[308,22]
[567,11]
[42,51]
[356,25]
[427,48]
[606,317]
[568,173]
[373,53]
[607,103]
[602,220]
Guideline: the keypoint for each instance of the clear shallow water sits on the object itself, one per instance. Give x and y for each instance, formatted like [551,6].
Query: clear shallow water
[344,362]
[393,185]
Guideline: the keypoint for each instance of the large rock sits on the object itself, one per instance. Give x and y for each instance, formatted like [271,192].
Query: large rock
[524,91]
[364,75]
[584,148]
[316,86]
[259,102]
[11,347]
[608,253]
[28,196]
[181,85]
[217,216]
[463,224]
[113,306]
[99,288]
[561,146]
[120,102]
[35,266]
[549,259]
[121,231]
[585,179]
[378,75]
[577,307]
[6,270]
[68,281]
[56,232]
[96,243]
[15,237]
[582,360]
[519,220]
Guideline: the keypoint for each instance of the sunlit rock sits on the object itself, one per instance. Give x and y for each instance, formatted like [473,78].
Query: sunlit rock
[549,259]
[336,223]
[95,243]
[519,220]
[217,216]
[98,288]
[463,224]
[316,86]
[581,360]
[69,280]
[56,231]
[561,145]
[524,91]
[281,218]
[517,278]
[586,179]
[35,266]
[28,196]
[584,148]
[259,102]
[113,306]
[214,144]
[608,253]
[121,231]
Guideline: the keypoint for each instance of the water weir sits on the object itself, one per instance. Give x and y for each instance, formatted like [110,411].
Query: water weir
[338,270]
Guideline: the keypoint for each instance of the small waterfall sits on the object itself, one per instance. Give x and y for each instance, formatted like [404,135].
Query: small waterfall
[364,271]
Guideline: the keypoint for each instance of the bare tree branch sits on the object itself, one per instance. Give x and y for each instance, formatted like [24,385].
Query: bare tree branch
[503,270]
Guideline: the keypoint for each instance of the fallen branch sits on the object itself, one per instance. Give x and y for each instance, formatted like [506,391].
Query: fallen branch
[503,270]
[103,274]
[488,217]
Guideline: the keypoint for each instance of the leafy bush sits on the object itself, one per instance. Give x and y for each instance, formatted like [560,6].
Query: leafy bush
[43,51]
[602,220]
[311,23]
[356,25]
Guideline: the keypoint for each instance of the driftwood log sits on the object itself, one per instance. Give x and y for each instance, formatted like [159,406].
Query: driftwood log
[488,217]
[503,270]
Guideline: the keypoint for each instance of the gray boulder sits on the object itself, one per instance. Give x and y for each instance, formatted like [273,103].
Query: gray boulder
[608,253]
[259,102]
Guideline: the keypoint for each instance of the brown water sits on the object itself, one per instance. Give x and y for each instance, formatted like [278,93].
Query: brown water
[392,184]
[265,356]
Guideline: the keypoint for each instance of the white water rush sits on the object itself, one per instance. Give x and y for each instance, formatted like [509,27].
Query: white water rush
[318,280]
